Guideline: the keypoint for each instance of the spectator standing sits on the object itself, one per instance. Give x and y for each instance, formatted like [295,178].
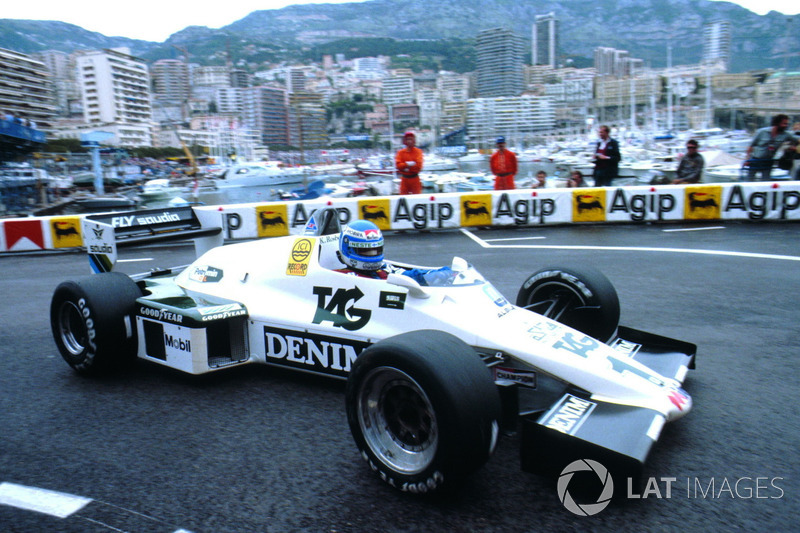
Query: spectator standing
[606,158]
[541,180]
[503,165]
[408,162]
[765,144]
[690,169]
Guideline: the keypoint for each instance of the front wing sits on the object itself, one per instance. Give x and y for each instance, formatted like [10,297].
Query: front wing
[579,426]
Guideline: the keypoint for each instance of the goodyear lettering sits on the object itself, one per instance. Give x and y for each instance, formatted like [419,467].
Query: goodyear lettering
[161,314]
[563,275]
[320,353]
[340,309]
[569,413]
[525,210]
[221,316]
[220,312]
[758,205]
[422,215]
[638,206]
[183,345]
[87,319]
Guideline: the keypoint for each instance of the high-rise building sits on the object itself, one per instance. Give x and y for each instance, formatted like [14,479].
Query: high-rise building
[61,69]
[296,80]
[398,90]
[170,78]
[717,44]
[307,121]
[499,63]
[230,100]
[430,107]
[24,88]
[240,78]
[453,87]
[212,76]
[613,62]
[266,111]
[516,118]
[545,40]
[26,99]
[115,91]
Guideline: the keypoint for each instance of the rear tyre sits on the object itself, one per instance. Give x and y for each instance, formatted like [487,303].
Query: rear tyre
[423,410]
[581,298]
[93,322]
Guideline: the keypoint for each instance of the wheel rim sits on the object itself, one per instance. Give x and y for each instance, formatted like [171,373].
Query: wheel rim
[72,328]
[397,420]
[555,300]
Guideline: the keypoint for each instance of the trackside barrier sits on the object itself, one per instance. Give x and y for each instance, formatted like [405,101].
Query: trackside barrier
[775,201]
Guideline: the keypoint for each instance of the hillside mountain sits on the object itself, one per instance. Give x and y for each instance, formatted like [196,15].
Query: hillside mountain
[30,36]
[643,27]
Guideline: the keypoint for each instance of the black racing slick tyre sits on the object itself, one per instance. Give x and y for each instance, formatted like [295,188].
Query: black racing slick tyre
[423,409]
[581,298]
[93,321]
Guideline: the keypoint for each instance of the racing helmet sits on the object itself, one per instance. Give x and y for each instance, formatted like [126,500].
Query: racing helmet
[361,246]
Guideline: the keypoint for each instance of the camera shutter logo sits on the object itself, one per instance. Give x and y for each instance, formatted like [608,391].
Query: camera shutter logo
[586,509]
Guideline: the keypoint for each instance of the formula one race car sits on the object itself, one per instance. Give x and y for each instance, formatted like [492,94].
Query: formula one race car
[436,370]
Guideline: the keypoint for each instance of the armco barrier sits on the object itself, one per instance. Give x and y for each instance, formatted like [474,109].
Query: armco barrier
[525,207]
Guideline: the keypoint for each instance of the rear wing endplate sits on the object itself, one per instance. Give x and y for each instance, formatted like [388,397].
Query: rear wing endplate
[104,234]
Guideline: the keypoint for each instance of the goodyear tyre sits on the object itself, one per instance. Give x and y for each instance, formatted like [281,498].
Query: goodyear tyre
[423,410]
[582,298]
[93,323]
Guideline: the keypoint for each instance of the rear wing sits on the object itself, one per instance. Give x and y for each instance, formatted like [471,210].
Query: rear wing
[104,234]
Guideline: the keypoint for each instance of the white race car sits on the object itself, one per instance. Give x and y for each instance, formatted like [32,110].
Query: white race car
[435,372]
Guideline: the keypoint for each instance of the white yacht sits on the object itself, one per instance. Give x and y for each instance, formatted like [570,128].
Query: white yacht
[263,174]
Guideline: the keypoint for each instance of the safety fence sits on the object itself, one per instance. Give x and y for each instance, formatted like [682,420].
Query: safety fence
[759,201]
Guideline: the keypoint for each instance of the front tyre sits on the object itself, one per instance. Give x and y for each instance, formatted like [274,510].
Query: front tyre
[581,298]
[423,409]
[93,322]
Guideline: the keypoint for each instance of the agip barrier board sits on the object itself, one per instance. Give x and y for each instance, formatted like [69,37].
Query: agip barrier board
[773,201]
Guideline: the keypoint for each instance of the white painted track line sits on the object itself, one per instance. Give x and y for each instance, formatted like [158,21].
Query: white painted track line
[41,500]
[488,244]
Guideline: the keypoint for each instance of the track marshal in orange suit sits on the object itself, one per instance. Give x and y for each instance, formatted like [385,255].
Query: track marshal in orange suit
[408,162]
[503,165]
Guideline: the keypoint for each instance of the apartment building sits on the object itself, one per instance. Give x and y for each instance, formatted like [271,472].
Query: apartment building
[25,90]
[266,111]
[115,93]
[170,79]
[544,38]
[516,118]
[499,62]
[230,100]
[398,90]
[717,44]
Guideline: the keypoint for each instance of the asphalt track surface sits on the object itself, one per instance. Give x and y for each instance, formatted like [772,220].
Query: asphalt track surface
[257,450]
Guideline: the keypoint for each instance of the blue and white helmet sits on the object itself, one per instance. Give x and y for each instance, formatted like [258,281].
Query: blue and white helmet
[361,246]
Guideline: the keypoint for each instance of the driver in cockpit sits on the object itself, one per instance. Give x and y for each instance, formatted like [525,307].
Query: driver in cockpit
[361,251]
